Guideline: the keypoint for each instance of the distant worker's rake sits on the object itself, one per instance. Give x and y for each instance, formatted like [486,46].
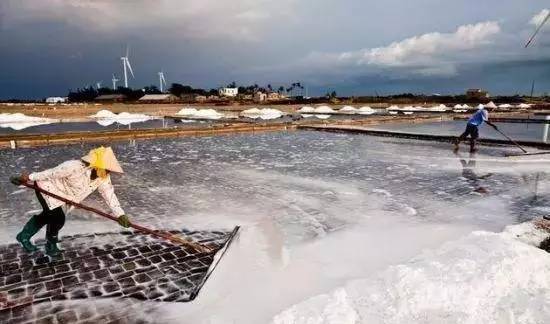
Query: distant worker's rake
[163,235]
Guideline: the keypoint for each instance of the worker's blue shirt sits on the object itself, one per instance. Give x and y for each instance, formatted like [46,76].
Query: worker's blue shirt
[479,117]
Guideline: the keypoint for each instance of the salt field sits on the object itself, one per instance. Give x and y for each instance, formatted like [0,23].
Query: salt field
[97,126]
[518,131]
[335,227]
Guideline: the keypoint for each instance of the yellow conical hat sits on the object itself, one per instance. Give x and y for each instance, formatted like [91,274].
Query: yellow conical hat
[103,158]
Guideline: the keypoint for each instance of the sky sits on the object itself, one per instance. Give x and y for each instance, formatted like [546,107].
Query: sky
[354,47]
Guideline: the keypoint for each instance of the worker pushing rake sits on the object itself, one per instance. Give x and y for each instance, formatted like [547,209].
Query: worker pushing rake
[70,183]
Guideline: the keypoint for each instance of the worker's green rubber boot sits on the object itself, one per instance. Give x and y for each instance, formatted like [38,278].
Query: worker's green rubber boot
[26,233]
[51,247]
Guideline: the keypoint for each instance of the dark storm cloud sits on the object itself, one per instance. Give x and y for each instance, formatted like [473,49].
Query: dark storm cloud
[50,46]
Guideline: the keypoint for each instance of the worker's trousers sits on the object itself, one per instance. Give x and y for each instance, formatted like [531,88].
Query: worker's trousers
[54,219]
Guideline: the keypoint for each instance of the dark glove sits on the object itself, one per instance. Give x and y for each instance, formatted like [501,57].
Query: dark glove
[124,221]
[19,180]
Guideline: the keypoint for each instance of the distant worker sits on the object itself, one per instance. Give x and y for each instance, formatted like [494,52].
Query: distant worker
[74,180]
[480,116]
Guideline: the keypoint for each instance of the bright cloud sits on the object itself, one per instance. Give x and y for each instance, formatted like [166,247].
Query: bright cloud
[427,47]
[428,54]
[538,18]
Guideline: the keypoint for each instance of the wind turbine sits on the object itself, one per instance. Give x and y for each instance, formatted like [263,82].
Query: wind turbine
[98,84]
[162,81]
[126,65]
[115,80]
[537,30]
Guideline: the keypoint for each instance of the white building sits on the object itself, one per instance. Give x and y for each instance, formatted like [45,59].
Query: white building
[260,96]
[55,100]
[228,92]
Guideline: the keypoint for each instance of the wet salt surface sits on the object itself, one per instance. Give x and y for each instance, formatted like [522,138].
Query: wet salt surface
[317,209]
[517,131]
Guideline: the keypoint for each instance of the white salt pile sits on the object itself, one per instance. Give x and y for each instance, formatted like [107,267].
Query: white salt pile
[505,106]
[393,107]
[306,109]
[483,277]
[524,105]
[324,110]
[19,121]
[251,111]
[491,105]
[366,110]
[104,114]
[269,113]
[440,107]
[106,118]
[187,112]
[265,113]
[199,114]
[348,109]
[207,114]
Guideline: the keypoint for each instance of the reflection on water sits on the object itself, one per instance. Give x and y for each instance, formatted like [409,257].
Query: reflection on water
[122,124]
[100,125]
[517,131]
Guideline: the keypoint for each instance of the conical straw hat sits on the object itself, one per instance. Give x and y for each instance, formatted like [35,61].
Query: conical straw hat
[103,158]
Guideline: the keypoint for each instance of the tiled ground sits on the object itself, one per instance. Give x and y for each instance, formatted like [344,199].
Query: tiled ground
[124,265]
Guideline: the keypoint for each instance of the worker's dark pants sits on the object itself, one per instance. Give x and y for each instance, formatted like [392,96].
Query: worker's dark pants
[473,132]
[54,219]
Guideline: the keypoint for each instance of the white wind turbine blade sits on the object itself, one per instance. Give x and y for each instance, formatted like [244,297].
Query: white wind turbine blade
[537,30]
[163,79]
[129,67]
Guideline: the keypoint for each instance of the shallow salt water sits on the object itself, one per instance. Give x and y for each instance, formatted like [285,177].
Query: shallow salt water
[97,126]
[317,209]
[517,131]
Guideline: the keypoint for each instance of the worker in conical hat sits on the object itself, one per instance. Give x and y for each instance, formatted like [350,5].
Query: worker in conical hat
[74,180]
